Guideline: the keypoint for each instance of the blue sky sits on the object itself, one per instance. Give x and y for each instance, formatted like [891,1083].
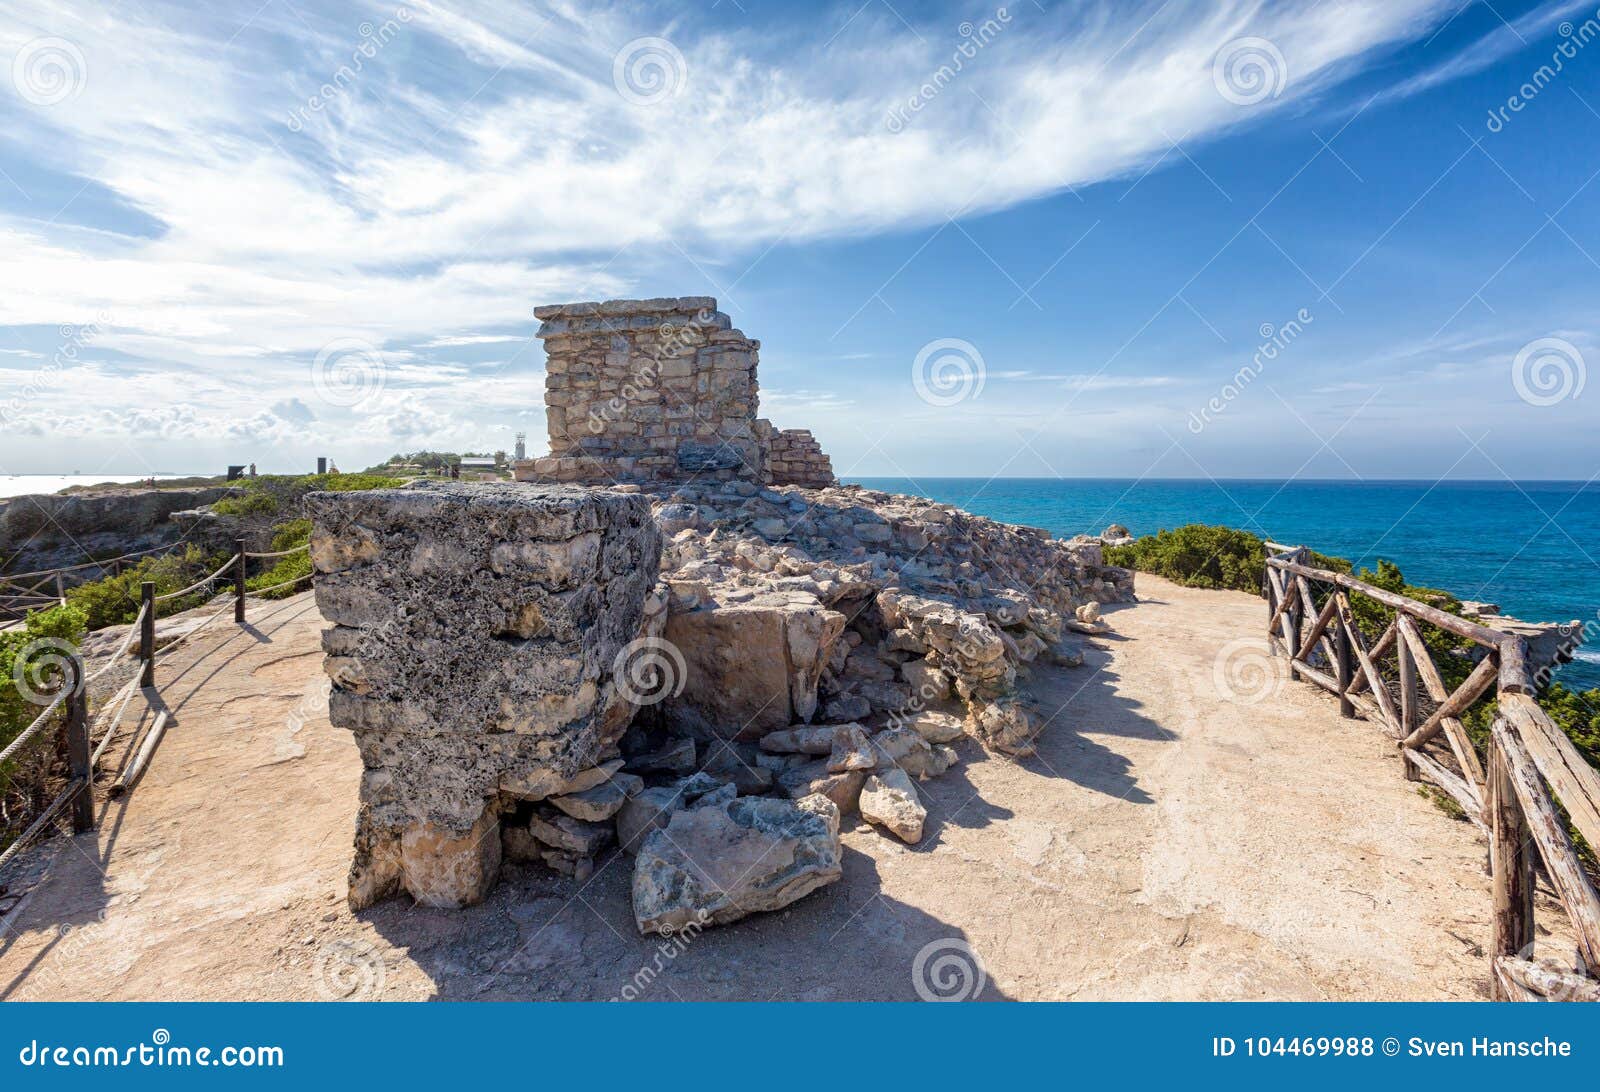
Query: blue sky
[267,231]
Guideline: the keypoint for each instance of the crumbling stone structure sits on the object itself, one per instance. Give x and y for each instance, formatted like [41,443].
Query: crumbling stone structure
[795,458]
[647,390]
[475,654]
[659,390]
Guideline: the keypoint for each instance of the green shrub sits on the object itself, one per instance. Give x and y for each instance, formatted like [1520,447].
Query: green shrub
[114,600]
[251,503]
[22,778]
[1200,556]
[286,536]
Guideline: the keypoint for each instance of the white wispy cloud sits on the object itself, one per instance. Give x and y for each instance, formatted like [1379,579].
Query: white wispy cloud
[473,161]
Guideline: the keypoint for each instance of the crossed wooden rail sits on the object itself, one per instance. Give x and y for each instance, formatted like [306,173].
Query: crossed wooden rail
[1531,762]
[23,593]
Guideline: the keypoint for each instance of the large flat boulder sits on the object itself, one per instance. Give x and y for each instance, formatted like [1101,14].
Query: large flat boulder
[711,865]
[751,667]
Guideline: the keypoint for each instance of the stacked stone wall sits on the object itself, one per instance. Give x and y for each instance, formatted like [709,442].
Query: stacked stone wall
[647,390]
[795,458]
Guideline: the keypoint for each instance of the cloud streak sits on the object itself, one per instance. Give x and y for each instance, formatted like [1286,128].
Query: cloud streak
[480,159]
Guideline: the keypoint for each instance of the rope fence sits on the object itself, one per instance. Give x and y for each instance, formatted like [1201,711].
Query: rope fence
[204,581]
[138,643]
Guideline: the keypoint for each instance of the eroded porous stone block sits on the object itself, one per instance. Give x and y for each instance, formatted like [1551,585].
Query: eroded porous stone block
[474,649]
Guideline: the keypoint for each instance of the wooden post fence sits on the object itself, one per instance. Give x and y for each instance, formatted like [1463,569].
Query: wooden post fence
[1532,765]
[77,739]
[239,560]
[147,634]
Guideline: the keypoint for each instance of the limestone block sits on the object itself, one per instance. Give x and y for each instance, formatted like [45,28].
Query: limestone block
[477,631]
[716,864]
[752,667]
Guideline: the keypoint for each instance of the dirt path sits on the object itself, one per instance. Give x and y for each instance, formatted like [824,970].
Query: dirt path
[1170,841]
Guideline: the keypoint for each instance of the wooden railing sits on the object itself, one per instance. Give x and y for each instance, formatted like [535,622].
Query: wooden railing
[1513,796]
[71,695]
[23,593]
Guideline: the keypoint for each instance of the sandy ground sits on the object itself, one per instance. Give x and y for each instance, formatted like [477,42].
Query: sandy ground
[1171,841]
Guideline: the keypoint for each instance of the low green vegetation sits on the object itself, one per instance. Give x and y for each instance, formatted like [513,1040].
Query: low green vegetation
[27,652]
[114,600]
[428,461]
[288,536]
[1201,556]
[191,482]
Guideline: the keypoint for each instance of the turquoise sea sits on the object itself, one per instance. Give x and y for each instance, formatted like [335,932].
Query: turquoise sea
[1532,547]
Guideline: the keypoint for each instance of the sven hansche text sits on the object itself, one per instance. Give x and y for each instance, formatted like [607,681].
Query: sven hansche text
[1484,1047]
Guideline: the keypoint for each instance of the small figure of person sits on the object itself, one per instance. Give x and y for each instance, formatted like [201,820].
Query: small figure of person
[252,470]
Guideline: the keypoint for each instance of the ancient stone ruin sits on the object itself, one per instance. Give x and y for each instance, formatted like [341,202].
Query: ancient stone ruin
[475,632]
[659,390]
[707,658]
[647,389]
[795,458]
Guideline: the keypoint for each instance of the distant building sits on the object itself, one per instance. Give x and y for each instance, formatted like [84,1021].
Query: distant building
[522,445]
[477,463]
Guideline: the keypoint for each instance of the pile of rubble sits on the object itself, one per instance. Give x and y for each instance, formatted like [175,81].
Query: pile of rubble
[525,683]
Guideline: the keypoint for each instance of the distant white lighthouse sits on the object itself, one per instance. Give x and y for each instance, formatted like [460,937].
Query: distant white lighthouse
[522,445]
